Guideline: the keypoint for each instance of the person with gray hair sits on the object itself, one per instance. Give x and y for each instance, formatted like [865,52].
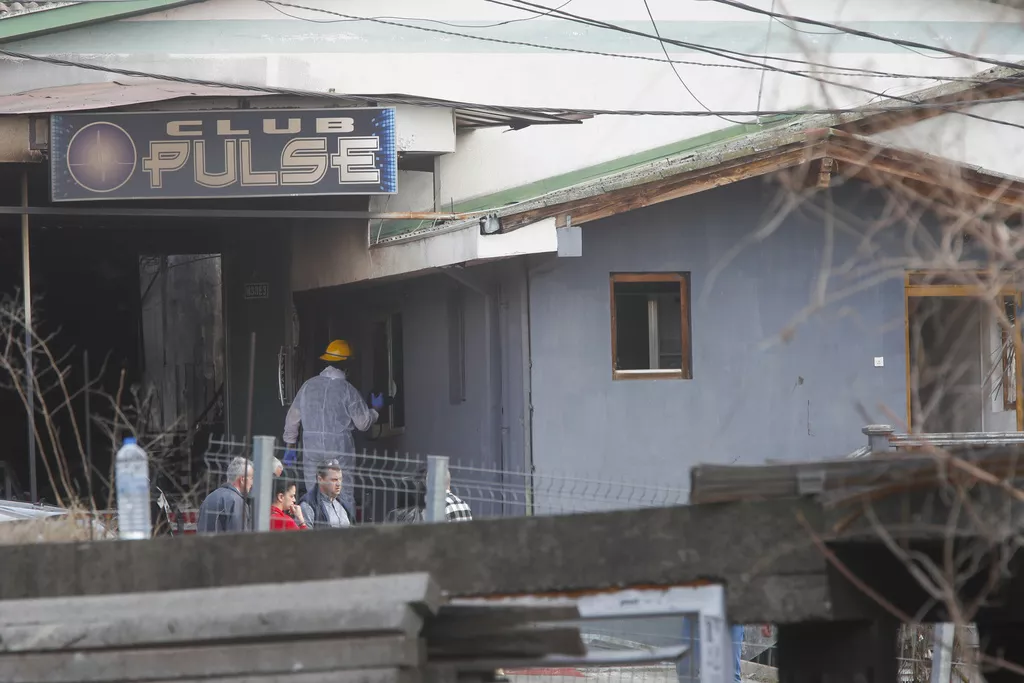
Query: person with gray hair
[225,510]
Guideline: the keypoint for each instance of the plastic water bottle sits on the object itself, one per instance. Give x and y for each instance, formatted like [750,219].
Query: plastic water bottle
[131,476]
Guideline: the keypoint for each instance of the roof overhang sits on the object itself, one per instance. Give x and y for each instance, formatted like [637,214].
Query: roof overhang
[859,157]
[108,95]
[956,95]
[786,144]
[134,91]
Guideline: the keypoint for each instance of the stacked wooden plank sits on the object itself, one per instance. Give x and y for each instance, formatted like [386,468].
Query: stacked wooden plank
[385,629]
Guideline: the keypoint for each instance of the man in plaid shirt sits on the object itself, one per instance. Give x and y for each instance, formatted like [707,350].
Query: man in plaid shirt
[455,509]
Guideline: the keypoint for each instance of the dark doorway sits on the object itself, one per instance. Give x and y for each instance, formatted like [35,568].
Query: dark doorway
[947,377]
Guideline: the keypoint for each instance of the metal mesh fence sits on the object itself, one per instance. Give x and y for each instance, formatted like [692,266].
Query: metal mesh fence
[389,487]
[917,643]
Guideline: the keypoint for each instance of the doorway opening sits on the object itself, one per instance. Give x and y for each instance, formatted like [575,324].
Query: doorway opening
[962,369]
[183,358]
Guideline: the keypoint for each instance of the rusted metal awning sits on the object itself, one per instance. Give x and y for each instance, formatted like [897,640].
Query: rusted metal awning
[132,91]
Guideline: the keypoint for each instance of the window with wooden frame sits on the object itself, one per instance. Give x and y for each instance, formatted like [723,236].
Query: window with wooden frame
[651,326]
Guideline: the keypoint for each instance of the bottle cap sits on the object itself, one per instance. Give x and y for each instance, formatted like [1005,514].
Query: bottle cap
[129,441]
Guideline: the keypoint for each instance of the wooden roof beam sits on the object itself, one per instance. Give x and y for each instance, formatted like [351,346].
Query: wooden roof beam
[667,189]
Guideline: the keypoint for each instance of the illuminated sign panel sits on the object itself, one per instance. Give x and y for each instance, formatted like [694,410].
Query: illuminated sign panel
[210,154]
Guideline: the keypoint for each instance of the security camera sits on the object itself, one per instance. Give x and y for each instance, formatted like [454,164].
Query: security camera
[489,225]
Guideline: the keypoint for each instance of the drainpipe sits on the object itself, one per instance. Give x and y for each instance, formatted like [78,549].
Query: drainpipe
[30,379]
[503,380]
[524,326]
[542,264]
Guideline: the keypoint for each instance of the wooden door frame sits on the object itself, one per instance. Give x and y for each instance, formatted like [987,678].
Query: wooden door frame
[921,291]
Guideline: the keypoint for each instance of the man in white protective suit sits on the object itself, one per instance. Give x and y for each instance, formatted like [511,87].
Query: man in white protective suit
[329,408]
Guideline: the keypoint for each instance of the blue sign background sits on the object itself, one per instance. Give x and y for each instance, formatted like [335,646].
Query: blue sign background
[233,153]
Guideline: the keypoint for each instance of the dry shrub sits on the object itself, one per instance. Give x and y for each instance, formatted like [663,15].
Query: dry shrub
[75,526]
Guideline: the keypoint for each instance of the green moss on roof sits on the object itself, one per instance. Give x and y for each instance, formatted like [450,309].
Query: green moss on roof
[56,17]
[391,229]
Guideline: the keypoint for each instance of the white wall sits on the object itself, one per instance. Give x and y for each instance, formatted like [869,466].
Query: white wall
[338,255]
[994,146]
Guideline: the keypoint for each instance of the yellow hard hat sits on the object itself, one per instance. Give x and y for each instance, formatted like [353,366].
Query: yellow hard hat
[337,350]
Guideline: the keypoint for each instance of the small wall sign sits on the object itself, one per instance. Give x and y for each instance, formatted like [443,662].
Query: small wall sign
[257,290]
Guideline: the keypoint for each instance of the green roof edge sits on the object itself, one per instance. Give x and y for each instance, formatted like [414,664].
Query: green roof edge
[31,24]
[558,182]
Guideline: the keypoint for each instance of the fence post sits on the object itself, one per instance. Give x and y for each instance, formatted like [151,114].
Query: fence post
[437,478]
[942,653]
[878,437]
[263,475]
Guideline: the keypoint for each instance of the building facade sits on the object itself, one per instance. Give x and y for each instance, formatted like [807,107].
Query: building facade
[512,339]
[758,316]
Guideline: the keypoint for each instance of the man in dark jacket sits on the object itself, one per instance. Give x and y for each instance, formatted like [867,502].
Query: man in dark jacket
[322,506]
[415,513]
[225,510]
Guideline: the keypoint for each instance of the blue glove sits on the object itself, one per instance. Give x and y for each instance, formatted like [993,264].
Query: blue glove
[377,401]
[290,456]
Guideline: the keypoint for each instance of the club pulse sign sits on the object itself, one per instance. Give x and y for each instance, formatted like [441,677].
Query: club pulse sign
[222,154]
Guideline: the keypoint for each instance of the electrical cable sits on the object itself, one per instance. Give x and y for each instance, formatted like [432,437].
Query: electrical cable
[537,15]
[836,70]
[525,6]
[703,48]
[365,99]
[675,70]
[810,33]
[530,111]
[767,44]
[867,34]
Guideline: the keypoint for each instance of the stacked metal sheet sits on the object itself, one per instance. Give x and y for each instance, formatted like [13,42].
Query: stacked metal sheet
[386,629]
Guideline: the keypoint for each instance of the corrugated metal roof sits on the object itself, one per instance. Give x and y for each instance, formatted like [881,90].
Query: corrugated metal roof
[14,511]
[91,96]
[13,9]
[86,526]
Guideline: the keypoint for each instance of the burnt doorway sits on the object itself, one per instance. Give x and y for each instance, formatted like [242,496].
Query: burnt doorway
[182,353]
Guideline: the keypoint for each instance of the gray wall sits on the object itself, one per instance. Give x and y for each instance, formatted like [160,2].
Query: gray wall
[482,435]
[469,432]
[752,397]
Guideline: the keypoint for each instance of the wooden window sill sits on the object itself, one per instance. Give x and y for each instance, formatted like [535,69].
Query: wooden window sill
[648,374]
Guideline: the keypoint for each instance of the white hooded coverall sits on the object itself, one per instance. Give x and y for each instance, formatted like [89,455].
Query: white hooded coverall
[328,408]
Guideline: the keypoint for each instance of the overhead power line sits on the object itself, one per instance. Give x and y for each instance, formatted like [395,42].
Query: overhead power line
[587,21]
[534,8]
[867,34]
[537,15]
[822,68]
[675,71]
[532,111]
[524,6]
